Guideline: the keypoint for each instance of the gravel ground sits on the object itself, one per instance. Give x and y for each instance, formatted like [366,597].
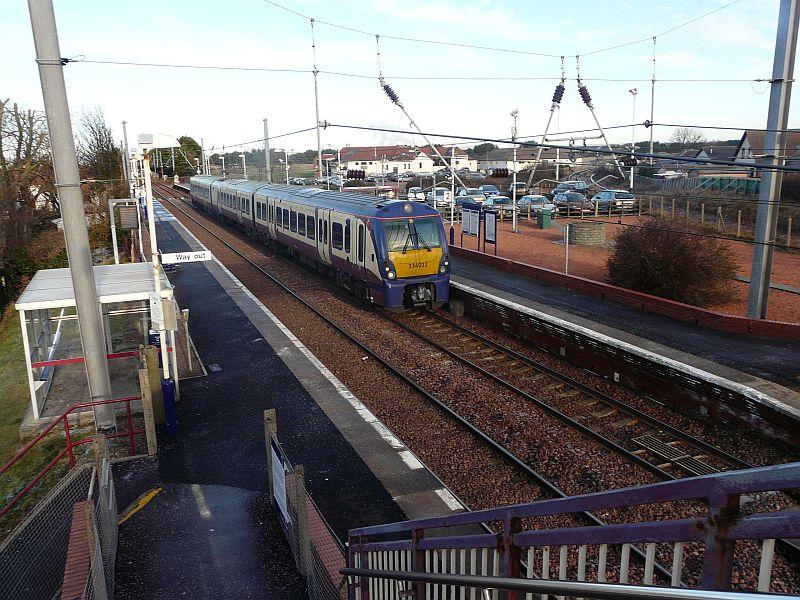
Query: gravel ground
[474,472]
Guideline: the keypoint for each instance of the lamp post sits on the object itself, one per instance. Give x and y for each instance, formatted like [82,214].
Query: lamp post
[633,92]
[223,164]
[244,165]
[515,117]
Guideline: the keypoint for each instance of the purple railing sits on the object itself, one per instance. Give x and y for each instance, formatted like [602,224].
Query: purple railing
[523,543]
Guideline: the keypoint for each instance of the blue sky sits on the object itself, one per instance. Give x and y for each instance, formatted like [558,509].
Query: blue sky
[228,107]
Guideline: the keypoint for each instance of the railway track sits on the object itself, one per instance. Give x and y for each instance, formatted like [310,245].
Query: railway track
[597,416]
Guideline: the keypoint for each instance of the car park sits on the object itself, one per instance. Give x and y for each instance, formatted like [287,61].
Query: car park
[572,203]
[580,187]
[614,200]
[415,193]
[438,197]
[488,190]
[469,195]
[522,189]
[537,204]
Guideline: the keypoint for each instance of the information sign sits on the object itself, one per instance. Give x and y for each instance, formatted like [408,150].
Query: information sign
[185,257]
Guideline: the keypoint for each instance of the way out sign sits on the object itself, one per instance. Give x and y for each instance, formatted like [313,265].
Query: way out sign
[185,257]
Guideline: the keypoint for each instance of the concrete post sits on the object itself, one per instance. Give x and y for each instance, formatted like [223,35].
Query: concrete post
[65,164]
[303,535]
[154,375]
[270,430]
[775,146]
[266,152]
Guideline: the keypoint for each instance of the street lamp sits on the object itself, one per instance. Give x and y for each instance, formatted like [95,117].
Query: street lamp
[633,92]
[244,165]
[515,117]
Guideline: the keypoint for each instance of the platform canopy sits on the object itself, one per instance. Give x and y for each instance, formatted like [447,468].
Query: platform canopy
[52,288]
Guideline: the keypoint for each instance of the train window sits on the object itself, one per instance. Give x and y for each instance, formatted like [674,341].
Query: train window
[311,227]
[270,214]
[361,242]
[347,236]
[280,219]
[285,219]
[301,224]
[319,237]
[325,241]
[337,236]
[292,221]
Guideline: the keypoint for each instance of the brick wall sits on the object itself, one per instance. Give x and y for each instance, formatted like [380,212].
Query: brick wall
[585,233]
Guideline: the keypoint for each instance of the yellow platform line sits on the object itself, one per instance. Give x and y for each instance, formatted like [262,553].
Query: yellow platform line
[138,505]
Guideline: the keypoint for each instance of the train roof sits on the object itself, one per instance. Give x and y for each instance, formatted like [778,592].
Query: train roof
[350,202]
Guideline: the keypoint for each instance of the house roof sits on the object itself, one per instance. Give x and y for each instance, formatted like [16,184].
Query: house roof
[756,139]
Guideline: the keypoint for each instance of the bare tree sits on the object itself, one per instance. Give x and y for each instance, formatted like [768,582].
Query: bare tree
[26,174]
[686,136]
[100,159]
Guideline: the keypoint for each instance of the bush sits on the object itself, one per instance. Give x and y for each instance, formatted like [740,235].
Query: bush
[663,259]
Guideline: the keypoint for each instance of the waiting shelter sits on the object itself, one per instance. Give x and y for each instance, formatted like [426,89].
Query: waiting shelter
[51,338]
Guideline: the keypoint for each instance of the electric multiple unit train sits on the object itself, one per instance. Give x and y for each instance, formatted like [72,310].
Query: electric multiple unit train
[393,253]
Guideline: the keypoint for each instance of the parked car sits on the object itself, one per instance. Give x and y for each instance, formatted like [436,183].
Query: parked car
[537,204]
[438,197]
[474,176]
[522,189]
[614,199]
[415,193]
[498,201]
[470,195]
[572,203]
[488,190]
[572,186]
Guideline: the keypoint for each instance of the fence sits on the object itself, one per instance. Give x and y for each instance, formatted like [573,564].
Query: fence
[34,555]
[315,548]
[730,185]
[714,523]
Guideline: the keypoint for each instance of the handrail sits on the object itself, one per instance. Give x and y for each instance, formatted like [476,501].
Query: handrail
[70,445]
[760,479]
[607,591]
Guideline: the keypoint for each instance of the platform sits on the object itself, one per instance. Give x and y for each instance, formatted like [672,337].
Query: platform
[770,368]
[357,472]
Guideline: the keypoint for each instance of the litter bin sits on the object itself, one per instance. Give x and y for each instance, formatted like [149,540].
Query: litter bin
[545,219]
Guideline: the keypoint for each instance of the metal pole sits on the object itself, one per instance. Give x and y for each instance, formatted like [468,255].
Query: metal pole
[127,161]
[266,153]
[151,222]
[566,246]
[286,154]
[65,165]
[515,116]
[775,144]
[113,231]
[634,92]
[452,197]
[172,153]
[316,98]
[203,156]
[223,165]
[652,98]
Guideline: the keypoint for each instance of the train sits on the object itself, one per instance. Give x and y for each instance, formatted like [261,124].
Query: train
[392,253]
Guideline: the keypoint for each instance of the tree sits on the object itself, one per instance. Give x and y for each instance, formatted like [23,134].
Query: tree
[26,175]
[482,149]
[686,137]
[662,259]
[100,159]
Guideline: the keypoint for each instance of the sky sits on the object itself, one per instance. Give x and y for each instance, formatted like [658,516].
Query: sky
[228,107]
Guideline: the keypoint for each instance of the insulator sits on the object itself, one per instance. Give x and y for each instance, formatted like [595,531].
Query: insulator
[584,92]
[558,94]
[648,123]
[391,93]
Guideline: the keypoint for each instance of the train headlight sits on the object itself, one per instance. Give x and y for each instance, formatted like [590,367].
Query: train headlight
[391,272]
[444,264]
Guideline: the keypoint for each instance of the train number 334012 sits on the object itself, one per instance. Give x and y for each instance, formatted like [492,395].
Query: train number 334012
[419,265]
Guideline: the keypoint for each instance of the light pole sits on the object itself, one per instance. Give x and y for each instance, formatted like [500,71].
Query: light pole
[515,117]
[286,155]
[633,92]
[244,165]
[223,164]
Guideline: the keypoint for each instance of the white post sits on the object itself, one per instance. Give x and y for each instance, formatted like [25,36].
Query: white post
[266,153]
[652,99]
[27,347]
[452,193]
[286,154]
[566,249]
[113,232]
[151,221]
[634,92]
[223,164]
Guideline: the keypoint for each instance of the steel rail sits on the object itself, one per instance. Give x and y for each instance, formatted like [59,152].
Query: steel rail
[487,440]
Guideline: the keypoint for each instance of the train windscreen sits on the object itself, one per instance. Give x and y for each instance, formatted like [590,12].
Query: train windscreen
[403,235]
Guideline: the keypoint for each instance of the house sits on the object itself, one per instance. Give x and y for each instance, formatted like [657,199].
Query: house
[382,160]
[503,158]
[751,147]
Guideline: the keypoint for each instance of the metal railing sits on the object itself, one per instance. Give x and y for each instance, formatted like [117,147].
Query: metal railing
[457,584]
[540,539]
[70,444]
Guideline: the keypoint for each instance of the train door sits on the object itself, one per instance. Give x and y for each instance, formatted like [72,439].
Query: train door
[271,217]
[323,234]
[360,254]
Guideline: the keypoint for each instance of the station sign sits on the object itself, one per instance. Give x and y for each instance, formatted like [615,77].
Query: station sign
[185,257]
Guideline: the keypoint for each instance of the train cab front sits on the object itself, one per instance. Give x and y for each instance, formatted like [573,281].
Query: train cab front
[415,264]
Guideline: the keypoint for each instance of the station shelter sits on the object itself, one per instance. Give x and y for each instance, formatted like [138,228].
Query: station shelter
[51,337]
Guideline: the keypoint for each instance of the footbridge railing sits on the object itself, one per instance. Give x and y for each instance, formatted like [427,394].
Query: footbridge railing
[716,532]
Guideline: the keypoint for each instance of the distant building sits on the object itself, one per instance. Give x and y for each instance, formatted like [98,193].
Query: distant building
[503,158]
[382,160]
[751,148]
